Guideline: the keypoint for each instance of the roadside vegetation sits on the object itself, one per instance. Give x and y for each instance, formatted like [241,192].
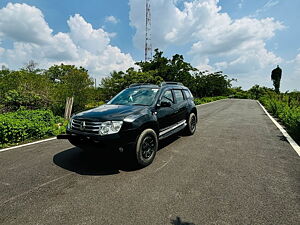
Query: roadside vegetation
[32,100]
[26,125]
[283,106]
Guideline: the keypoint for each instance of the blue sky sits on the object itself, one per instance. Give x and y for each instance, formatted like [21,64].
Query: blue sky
[244,38]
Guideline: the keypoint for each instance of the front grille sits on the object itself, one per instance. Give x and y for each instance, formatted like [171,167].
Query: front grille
[86,126]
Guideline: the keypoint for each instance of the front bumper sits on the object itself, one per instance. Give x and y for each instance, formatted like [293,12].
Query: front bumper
[121,139]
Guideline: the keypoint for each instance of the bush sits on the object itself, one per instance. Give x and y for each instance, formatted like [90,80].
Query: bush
[93,105]
[26,125]
[241,95]
[286,107]
[199,101]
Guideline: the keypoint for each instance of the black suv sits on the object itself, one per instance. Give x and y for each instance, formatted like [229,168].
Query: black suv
[135,119]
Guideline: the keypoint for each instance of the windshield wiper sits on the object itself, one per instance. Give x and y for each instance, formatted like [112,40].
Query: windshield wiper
[139,104]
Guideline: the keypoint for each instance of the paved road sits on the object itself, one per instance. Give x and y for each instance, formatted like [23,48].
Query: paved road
[236,169]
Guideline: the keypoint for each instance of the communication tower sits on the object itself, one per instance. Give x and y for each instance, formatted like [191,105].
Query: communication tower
[148,44]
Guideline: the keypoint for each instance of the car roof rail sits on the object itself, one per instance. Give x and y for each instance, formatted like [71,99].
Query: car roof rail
[170,83]
[139,84]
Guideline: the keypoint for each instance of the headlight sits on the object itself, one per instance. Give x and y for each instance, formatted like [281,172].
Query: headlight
[110,127]
[69,126]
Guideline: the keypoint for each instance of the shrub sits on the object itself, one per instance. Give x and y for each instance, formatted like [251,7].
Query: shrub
[204,100]
[24,125]
[286,107]
[241,95]
[93,105]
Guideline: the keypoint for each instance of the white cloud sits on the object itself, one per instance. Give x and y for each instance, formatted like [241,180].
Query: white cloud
[268,5]
[33,39]
[111,19]
[24,23]
[212,39]
[85,37]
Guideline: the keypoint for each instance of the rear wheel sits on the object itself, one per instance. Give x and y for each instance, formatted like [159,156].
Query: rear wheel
[146,147]
[191,124]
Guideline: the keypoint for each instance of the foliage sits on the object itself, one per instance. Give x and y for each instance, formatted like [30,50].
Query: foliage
[118,81]
[286,107]
[175,69]
[24,125]
[254,92]
[93,105]
[199,101]
[202,84]
[69,81]
[23,88]
[210,84]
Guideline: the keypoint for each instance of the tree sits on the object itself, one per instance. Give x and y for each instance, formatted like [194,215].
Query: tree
[118,81]
[68,81]
[211,84]
[276,77]
[175,69]
[57,72]
[24,89]
[31,67]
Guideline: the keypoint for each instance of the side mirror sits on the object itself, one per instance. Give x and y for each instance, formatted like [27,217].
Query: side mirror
[165,104]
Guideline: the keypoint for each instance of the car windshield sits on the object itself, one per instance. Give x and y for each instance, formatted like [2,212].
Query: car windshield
[135,96]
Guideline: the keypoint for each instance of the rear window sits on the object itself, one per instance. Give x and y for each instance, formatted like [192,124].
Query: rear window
[178,95]
[188,94]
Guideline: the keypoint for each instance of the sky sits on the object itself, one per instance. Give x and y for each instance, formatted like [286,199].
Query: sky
[245,39]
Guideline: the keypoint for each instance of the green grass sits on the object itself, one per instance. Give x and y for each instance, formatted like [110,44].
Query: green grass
[285,107]
[199,101]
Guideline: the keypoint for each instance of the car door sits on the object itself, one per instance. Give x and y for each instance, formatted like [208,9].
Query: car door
[166,115]
[180,105]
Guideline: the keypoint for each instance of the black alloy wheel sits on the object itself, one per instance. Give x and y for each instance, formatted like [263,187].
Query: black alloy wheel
[191,124]
[146,147]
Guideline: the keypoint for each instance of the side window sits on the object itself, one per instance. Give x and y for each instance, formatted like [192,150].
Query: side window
[168,97]
[188,94]
[178,96]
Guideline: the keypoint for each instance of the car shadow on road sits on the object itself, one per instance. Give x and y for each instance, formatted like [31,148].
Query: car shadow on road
[90,162]
[104,162]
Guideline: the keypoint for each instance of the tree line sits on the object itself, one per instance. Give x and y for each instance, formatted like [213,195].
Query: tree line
[33,88]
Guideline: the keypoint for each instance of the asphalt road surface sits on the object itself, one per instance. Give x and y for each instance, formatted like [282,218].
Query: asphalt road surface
[236,169]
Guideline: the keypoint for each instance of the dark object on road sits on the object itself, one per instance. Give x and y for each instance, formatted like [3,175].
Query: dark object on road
[178,221]
[276,77]
[135,119]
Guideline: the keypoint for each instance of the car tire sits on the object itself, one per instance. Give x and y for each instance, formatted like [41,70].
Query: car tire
[146,147]
[191,124]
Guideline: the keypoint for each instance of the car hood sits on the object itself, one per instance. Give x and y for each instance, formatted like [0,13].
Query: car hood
[109,112]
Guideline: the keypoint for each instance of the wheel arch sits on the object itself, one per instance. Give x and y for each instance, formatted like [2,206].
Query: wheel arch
[194,110]
[152,125]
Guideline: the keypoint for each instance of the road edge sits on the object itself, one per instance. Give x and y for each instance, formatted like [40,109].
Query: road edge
[28,144]
[294,145]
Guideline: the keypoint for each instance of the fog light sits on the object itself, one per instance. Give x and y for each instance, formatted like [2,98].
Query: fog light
[121,149]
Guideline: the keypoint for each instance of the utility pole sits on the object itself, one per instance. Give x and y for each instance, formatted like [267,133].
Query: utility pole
[148,44]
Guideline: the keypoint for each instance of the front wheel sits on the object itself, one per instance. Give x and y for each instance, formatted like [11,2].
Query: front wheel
[191,124]
[146,147]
